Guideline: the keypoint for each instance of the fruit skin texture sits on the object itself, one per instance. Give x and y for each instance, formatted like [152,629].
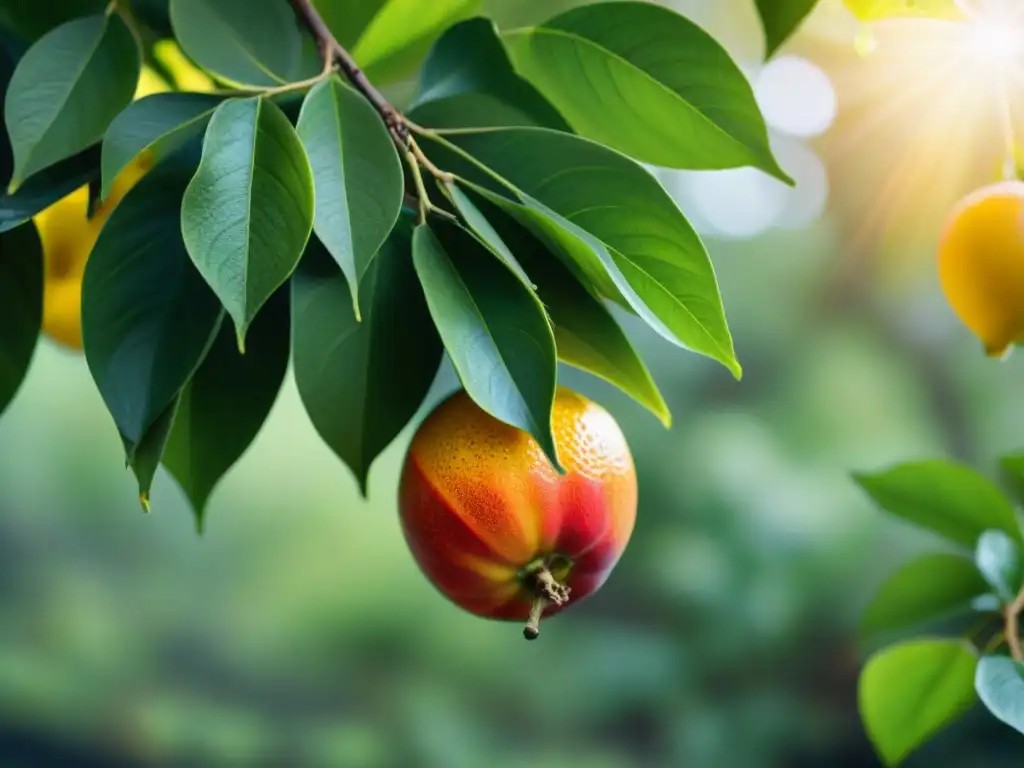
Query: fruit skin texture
[479,502]
[981,264]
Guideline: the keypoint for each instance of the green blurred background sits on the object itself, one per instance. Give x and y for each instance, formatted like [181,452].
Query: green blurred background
[298,631]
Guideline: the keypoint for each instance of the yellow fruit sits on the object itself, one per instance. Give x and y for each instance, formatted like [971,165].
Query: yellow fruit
[981,264]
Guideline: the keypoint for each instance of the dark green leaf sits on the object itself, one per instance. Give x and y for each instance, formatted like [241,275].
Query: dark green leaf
[394,43]
[144,458]
[31,19]
[21,306]
[948,498]
[780,19]
[998,559]
[608,218]
[158,124]
[66,90]
[586,334]
[147,316]
[362,382]
[642,79]
[929,588]
[9,55]
[347,19]
[225,404]
[999,681]
[248,211]
[482,227]
[357,174]
[1012,468]
[256,43]
[468,81]
[48,186]
[911,691]
[493,327]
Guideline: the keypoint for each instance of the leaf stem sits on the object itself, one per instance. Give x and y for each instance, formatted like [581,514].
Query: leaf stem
[423,199]
[1012,616]
[326,72]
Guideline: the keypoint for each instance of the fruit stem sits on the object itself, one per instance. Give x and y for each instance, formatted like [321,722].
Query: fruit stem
[547,590]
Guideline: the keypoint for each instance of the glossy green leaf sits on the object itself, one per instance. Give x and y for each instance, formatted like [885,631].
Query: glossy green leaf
[225,404]
[876,10]
[493,327]
[931,587]
[31,19]
[248,211]
[401,33]
[144,458]
[66,89]
[586,334]
[147,316]
[467,81]
[47,187]
[999,560]
[357,175]
[640,78]
[1012,470]
[999,681]
[255,43]
[948,498]
[605,215]
[911,691]
[361,383]
[21,306]
[482,227]
[780,19]
[157,124]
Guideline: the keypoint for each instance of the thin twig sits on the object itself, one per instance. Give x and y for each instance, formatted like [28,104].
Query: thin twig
[423,198]
[443,176]
[307,83]
[1012,616]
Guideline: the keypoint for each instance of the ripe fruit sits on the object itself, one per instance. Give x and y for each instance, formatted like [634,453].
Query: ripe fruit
[494,526]
[981,264]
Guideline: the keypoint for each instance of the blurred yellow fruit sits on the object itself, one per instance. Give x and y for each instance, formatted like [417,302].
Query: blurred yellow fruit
[149,83]
[981,264]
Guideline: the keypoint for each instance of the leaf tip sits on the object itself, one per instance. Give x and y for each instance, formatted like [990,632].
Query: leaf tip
[144,502]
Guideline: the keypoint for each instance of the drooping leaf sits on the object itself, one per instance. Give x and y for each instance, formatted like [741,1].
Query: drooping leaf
[608,218]
[493,327]
[931,587]
[21,306]
[256,43]
[147,316]
[66,89]
[144,457]
[780,19]
[357,175]
[481,225]
[1012,470]
[586,335]
[876,10]
[467,81]
[48,186]
[999,560]
[640,78]
[31,19]
[361,382]
[948,498]
[225,404]
[999,681]
[158,124]
[911,691]
[248,211]
[394,43]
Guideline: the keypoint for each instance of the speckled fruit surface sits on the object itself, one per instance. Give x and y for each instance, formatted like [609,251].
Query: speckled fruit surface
[482,508]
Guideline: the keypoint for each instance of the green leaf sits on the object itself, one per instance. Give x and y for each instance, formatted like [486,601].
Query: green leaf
[66,89]
[348,19]
[256,43]
[467,81]
[948,498]
[21,306]
[609,219]
[999,561]
[400,35]
[780,19]
[929,588]
[999,681]
[586,334]
[31,19]
[481,226]
[357,174]
[47,187]
[1012,470]
[248,211]
[225,404]
[144,458]
[911,691]
[876,10]
[147,316]
[648,82]
[158,124]
[493,327]
[362,382]
[10,52]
